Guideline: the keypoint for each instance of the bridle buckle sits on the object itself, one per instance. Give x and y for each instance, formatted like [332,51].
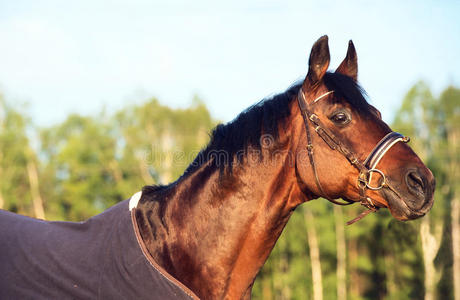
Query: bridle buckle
[362,180]
[381,184]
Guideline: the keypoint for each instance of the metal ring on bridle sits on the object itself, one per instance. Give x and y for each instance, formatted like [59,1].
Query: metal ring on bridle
[383,181]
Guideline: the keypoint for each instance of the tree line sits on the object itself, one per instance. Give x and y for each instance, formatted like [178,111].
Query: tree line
[85,164]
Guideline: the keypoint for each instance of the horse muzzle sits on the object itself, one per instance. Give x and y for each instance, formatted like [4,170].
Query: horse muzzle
[414,196]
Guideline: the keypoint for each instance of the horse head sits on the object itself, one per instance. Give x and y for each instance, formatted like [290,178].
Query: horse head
[347,147]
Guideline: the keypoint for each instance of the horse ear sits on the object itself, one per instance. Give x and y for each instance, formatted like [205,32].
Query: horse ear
[349,65]
[319,61]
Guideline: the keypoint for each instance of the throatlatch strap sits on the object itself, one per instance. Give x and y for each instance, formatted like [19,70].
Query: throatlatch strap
[310,155]
[307,115]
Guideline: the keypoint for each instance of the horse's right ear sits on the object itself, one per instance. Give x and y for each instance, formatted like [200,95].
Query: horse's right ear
[349,65]
[318,63]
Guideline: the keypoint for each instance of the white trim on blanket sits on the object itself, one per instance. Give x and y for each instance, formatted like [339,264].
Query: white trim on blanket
[134,200]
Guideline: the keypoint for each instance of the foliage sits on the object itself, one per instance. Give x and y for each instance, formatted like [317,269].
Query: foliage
[14,153]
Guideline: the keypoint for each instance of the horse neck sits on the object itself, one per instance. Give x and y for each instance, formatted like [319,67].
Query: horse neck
[214,233]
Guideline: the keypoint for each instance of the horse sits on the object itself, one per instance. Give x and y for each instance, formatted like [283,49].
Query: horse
[208,234]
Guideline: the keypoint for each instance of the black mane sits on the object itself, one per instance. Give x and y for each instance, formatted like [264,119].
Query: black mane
[229,140]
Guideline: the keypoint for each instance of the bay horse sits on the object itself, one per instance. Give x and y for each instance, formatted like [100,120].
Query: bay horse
[208,234]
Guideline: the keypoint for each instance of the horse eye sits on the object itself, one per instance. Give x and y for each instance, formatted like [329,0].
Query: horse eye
[340,118]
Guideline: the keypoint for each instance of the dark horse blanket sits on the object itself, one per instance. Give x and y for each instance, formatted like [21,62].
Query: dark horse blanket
[101,258]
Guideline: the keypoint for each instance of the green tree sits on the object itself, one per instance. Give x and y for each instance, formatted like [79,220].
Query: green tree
[417,118]
[90,163]
[448,162]
[160,141]
[19,184]
[435,125]
[79,154]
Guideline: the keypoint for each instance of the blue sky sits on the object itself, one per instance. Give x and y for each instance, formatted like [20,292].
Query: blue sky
[82,56]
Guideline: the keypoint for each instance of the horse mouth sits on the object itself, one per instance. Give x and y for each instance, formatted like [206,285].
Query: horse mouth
[401,210]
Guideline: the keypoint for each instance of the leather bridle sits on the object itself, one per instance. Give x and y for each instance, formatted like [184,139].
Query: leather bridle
[366,168]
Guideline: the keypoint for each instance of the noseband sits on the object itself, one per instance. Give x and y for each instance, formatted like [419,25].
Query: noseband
[366,168]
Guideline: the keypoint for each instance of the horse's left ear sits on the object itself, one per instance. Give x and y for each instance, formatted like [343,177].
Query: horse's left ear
[349,65]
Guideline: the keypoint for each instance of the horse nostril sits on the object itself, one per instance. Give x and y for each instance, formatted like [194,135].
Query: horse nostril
[420,184]
[414,181]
